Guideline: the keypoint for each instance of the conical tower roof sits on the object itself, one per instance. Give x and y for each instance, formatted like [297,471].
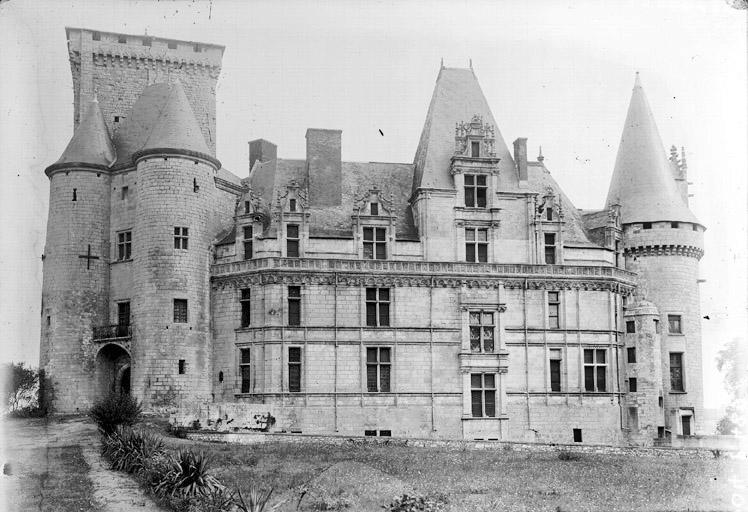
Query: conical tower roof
[90,145]
[643,182]
[176,127]
[457,98]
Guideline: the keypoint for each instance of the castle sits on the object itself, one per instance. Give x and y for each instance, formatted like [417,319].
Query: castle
[460,296]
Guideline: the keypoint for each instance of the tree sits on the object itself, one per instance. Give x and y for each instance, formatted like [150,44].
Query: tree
[19,384]
[732,361]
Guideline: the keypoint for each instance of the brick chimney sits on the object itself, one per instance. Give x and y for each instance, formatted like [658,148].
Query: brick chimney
[261,150]
[520,158]
[324,167]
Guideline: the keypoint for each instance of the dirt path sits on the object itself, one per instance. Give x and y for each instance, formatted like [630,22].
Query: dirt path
[55,466]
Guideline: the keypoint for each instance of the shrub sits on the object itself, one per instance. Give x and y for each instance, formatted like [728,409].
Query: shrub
[129,450]
[189,476]
[567,455]
[257,499]
[114,410]
[408,503]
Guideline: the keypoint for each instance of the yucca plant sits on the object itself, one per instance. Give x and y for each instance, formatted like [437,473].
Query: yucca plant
[257,499]
[188,476]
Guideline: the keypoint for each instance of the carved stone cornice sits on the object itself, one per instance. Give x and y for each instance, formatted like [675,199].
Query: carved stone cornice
[665,250]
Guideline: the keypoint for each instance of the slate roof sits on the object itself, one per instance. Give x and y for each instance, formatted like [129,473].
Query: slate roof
[90,143]
[643,182]
[357,179]
[457,98]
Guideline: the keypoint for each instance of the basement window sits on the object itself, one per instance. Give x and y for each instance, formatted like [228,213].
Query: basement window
[181,367]
[647,225]
[96,36]
[385,433]
[147,41]
[370,433]
[122,39]
[172,46]
[577,435]
[674,225]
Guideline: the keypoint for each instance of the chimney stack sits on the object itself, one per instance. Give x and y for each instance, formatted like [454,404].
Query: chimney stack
[324,167]
[520,158]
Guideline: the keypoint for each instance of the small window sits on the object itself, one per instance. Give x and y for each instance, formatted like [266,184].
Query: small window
[181,237]
[246,304]
[294,369]
[123,319]
[195,186]
[75,194]
[553,310]
[555,367]
[476,245]
[220,376]
[247,207]
[124,246]
[475,149]
[245,363]
[694,227]
[476,190]
[483,395]
[378,366]
[172,45]
[660,432]
[630,326]
[631,354]
[292,240]
[294,305]
[124,192]
[116,119]
[377,307]
[577,432]
[657,326]
[594,370]
[676,371]
[374,208]
[549,213]
[550,248]
[196,48]
[660,401]
[674,324]
[370,433]
[632,385]
[385,433]
[122,39]
[375,243]
[181,367]
[292,205]
[674,225]
[96,36]
[647,225]
[180,311]
[482,330]
[248,238]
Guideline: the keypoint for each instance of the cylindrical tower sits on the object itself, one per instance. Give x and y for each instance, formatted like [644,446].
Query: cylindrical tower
[663,241]
[76,263]
[175,194]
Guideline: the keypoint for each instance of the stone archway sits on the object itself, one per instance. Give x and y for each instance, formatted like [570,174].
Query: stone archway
[112,373]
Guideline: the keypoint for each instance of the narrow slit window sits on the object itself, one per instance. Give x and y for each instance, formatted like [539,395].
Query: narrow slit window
[245,364]
[554,304]
[195,186]
[676,371]
[75,194]
[294,369]
[124,192]
[246,305]
[182,367]
[292,205]
[632,385]
[631,354]
[555,369]
[294,305]
[248,239]
[292,240]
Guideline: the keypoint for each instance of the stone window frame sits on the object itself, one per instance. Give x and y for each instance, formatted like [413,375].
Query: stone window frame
[374,243]
[298,299]
[596,366]
[381,306]
[681,355]
[291,240]
[481,327]
[553,311]
[379,364]
[181,311]
[245,302]
[675,317]
[472,188]
[248,242]
[631,355]
[245,369]
[477,244]
[481,387]
[181,238]
[124,245]
[547,247]
[295,366]
[556,354]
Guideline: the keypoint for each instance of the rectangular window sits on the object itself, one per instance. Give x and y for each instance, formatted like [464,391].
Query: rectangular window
[377,307]
[123,319]
[370,433]
[647,225]
[476,190]
[594,370]
[294,305]
[124,245]
[385,433]
[577,432]
[292,240]
[378,365]
[475,149]
[686,424]
[180,311]
[674,324]
[483,395]
[375,243]
[550,248]
[248,238]
[630,326]
[553,309]
[476,245]
[292,205]
[96,36]
[549,213]
[246,302]
[482,330]
[171,45]
[244,369]
[181,235]
[555,367]
[294,369]
[125,191]
[657,325]
[374,208]
[181,367]
[632,385]
[631,354]
[676,371]
[674,225]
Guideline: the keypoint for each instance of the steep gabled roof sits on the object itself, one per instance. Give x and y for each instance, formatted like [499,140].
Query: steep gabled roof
[90,145]
[643,182]
[457,98]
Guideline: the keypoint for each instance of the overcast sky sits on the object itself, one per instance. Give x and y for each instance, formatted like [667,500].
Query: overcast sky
[559,73]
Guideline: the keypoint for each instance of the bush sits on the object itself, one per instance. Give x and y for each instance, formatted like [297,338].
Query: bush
[257,499]
[407,503]
[567,455]
[129,450]
[188,476]
[115,410]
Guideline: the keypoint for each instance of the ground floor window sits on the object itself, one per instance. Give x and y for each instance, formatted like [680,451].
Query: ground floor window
[483,395]
[244,366]
[378,364]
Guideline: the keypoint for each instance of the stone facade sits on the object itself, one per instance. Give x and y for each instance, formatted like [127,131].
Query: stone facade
[459,297]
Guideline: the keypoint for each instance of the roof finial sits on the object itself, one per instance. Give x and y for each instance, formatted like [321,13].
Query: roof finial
[442,63]
[471,63]
[637,82]
[540,154]
[683,164]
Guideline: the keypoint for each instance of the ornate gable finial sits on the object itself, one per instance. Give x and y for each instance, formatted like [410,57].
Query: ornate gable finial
[475,131]
[674,154]
[683,164]
[540,154]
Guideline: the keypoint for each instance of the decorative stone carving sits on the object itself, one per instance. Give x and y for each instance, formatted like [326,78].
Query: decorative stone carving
[478,131]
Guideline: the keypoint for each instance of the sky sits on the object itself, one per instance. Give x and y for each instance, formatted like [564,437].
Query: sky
[557,72]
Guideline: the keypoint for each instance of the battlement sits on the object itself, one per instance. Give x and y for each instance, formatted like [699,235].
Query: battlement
[145,47]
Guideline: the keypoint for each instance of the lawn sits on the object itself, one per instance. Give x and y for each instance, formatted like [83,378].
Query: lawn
[364,476]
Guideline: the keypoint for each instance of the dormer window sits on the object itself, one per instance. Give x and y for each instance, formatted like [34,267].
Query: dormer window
[248,236]
[476,190]
[292,205]
[292,241]
[374,208]
[549,213]
[375,243]
[475,149]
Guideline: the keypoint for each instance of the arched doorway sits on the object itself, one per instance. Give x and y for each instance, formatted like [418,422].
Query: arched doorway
[112,370]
